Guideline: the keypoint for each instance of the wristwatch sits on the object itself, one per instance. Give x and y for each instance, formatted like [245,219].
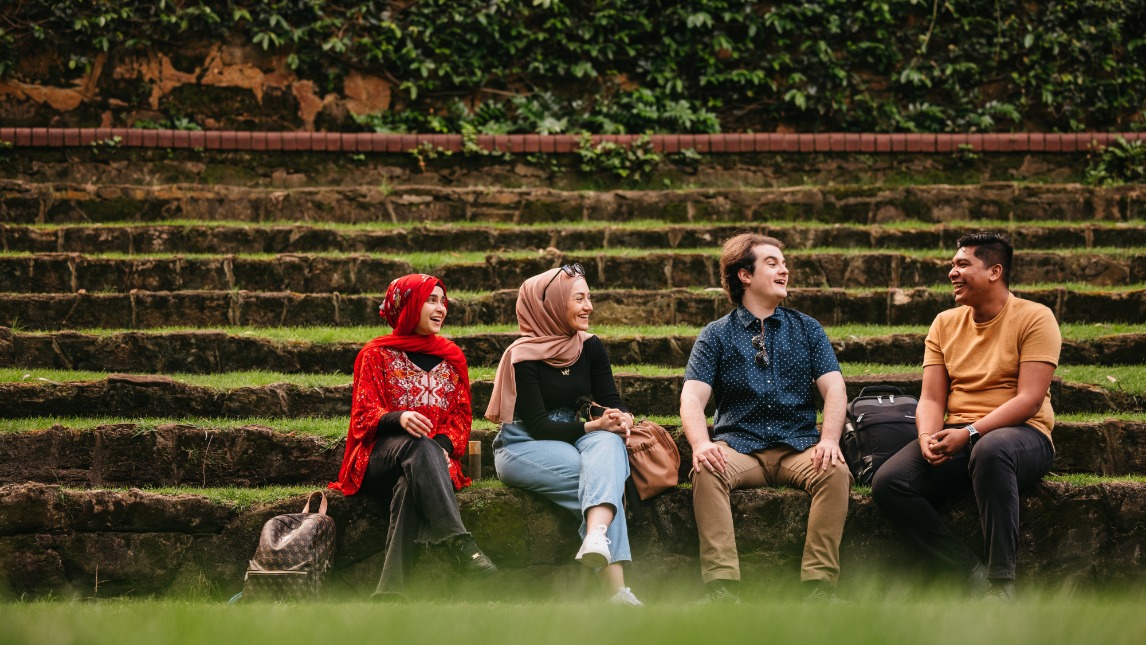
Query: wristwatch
[974,435]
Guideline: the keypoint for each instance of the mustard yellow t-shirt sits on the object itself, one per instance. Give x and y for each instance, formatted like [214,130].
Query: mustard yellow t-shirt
[982,359]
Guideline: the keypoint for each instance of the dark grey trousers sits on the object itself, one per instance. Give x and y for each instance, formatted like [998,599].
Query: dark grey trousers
[423,508]
[1003,462]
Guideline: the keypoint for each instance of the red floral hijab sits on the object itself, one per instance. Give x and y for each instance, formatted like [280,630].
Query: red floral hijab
[401,309]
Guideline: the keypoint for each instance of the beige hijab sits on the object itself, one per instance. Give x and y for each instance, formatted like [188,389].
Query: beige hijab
[548,337]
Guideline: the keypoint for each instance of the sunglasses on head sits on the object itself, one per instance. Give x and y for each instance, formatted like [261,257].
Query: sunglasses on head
[571,270]
[761,358]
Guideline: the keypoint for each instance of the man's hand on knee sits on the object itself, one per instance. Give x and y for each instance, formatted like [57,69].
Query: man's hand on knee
[708,456]
[827,454]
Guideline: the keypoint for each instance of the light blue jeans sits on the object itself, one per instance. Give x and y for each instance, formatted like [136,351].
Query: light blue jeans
[575,476]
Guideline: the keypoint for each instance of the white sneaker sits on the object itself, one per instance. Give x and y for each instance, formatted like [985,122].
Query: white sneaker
[595,549]
[625,597]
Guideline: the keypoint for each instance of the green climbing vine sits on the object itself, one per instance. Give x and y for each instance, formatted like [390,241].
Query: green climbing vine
[636,66]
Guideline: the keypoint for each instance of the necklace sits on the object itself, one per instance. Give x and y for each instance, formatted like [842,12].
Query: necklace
[565,372]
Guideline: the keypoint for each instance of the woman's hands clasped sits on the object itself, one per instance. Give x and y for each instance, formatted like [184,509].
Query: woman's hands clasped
[613,420]
[418,425]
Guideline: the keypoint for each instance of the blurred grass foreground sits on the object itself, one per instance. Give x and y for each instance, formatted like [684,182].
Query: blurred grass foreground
[1108,618]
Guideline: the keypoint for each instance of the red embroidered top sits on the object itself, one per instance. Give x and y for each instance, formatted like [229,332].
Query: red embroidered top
[386,380]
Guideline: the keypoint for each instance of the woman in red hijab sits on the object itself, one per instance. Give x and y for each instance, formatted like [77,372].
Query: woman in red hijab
[409,425]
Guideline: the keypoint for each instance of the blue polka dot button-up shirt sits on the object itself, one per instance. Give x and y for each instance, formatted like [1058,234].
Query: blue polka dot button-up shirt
[763,407]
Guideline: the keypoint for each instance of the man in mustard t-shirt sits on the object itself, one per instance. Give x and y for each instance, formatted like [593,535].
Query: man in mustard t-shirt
[984,418]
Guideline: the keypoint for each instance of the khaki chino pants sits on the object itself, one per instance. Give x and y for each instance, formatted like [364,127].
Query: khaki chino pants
[774,467]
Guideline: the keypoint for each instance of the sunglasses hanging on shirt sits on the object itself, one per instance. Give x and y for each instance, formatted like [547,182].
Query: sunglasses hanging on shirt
[761,357]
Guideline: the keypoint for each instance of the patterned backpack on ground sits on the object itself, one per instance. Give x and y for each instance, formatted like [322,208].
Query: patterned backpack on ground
[293,557]
[880,421]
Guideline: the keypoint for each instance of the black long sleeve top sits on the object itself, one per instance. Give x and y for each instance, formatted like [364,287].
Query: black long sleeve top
[541,388]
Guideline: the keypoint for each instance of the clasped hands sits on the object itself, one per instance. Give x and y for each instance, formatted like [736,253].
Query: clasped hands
[939,447]
[613,420]
[417,425]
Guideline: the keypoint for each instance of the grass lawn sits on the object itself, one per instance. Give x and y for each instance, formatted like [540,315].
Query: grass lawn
[1083,618]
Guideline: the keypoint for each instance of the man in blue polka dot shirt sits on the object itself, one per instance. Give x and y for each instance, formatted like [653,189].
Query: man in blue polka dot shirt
[761,362]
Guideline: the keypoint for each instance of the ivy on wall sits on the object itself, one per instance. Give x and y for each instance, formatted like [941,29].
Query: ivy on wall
[614,66]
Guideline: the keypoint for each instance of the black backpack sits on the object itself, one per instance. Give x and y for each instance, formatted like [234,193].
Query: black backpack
[880,421]
[293,557]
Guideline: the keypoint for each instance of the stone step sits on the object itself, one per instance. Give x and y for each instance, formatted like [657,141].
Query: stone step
[207,309]
[299,238]
[392,167]
[57,542]
[133,396]
[102,200]
[364,274]
[205,352]
[221,455]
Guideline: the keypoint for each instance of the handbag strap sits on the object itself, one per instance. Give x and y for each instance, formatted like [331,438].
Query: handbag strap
[321,506]
[585,409]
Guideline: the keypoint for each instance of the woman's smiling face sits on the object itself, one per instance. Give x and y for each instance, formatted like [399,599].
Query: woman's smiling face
[579,306]
[433,314]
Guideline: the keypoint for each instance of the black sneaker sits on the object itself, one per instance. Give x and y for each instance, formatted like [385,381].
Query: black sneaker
[821,592]
[1001,592]
[468,558]
[977,583]
[720,592]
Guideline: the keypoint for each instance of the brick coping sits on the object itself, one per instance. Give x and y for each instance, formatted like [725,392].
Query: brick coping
[734,143]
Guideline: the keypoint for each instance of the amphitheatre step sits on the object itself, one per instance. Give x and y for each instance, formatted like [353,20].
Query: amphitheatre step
[607,269]
[103,201]
[205,351]
[1071,302]
[266,238]
[106,543]
[132,453]
[129,396]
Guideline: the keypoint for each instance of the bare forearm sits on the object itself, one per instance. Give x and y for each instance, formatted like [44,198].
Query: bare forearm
[835,405]
[1012,413]
[929,415]
[693,422]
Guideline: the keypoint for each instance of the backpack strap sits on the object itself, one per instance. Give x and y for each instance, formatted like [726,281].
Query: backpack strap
[321,506]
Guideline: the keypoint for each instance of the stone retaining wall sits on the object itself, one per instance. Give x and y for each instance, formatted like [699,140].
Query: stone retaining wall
[205,352]
[132,396]
[103,544]
[206,309]
[177,454]
[284,238]
[38,203]
[360,274]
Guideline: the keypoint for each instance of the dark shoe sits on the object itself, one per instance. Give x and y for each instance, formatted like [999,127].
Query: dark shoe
[1001,592]
[821,592]
[468,558]
[977,582]
[720,592]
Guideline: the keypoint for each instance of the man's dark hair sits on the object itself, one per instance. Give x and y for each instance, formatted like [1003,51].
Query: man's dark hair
[992,249]
[740,253]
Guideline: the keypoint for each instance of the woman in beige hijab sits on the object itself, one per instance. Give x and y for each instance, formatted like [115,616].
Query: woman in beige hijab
[541,384]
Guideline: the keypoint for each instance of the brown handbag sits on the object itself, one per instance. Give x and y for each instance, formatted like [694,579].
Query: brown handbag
[654,461]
